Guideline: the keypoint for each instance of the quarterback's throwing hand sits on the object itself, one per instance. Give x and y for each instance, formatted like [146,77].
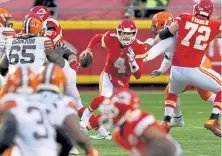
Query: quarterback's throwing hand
[130,54]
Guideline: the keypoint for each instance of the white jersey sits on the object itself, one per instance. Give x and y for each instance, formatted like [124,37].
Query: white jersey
[166,46]
[6,32]
[36,122]
[27,52]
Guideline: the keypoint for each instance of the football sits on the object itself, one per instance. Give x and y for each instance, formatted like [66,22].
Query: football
[85,59]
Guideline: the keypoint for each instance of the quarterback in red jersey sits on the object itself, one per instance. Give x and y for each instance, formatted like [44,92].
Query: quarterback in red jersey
[135,131]
[125,58]
[196,31]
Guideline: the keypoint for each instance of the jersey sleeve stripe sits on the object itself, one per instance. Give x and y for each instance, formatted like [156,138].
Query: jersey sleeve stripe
[8,33]
[143,124]
[141,56]
[48,44]
[103,42]
[7,105]
[72,105]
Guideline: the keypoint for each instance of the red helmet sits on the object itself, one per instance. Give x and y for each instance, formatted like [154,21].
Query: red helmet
[122,106]
[126,31]
[42,11]
[53,30]
[203,7]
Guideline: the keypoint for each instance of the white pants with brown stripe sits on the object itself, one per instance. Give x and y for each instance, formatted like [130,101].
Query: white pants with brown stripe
[71,89]
[206,79]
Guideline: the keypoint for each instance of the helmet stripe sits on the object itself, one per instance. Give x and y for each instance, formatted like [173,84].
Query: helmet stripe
[48,73]
[27,25]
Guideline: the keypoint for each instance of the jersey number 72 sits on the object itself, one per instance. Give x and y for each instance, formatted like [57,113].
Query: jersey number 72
[203,37]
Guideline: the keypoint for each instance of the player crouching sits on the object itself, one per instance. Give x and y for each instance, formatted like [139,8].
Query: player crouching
[136,131]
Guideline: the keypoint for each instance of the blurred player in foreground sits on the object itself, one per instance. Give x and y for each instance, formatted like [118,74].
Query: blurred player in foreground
[41,114]
[136,131]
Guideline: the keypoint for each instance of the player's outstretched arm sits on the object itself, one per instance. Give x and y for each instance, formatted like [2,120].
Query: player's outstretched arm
[4,64]
[53,57]
[167,32]
[71,123]
[7,131]
[165,65]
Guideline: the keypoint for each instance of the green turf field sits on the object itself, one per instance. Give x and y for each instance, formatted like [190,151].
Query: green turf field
[195,140]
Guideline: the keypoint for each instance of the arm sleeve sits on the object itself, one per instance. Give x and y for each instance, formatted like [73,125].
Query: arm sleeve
[158,49]
[95,40]
[165,65]
[54,57]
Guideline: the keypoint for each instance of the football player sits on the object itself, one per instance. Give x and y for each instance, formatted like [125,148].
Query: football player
[29,49]
[125,54]
[52,30]
[159,22]
[6,31]
[135,131]
[196,31]
[42,112]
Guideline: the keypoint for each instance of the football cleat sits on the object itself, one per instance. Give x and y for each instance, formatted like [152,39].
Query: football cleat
[214,126]
[166,125]
[177,121]
[100,137]
[74,151]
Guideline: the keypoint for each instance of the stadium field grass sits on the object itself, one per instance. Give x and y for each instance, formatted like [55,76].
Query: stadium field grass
[194,139]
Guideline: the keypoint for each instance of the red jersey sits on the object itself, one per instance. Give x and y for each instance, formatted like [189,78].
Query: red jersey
[129,136]
[195,35]
[117,64]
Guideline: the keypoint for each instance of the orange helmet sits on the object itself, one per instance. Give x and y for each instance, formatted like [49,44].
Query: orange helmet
[21,80]
[32,26]
[4,17]
[52,77]
[161,20]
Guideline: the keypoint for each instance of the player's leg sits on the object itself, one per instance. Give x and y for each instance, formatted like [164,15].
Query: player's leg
[210,80]
[105,89]
[206,95]
[72,90]
[177,84]
[177,119]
